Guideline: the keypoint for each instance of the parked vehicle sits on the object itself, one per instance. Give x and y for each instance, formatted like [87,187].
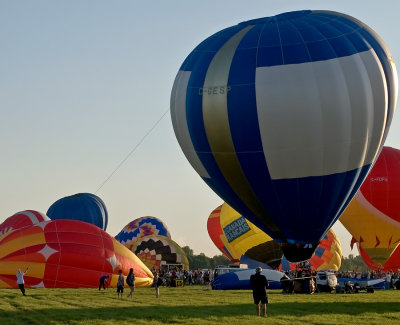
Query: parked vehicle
[326,281]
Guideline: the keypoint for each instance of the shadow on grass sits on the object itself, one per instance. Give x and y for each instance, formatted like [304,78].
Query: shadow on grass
[172,313]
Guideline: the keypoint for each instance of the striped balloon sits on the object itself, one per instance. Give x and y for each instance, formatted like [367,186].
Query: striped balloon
[283,117]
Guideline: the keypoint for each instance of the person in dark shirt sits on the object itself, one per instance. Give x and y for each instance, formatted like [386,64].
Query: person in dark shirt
[103,281]
[259,283]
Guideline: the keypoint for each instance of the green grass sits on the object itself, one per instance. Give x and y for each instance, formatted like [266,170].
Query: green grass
[194,305]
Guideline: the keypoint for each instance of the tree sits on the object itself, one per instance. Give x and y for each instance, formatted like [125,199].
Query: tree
[201,261]
[352,263]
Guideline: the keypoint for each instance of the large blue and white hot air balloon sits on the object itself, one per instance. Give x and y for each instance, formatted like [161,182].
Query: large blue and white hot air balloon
[283,117]
[85,207]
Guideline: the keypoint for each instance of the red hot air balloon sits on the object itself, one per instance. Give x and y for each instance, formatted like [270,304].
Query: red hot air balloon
[66,254]
[22,219]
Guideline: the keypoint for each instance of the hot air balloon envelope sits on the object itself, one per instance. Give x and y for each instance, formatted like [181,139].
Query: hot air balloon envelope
[155,251]
[373,216]
[141,227]
[235,236]
[283,117]
[66,254]
[82,206]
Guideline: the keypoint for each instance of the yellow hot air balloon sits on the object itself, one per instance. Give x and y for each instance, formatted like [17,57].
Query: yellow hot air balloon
[241,237]
[377,234]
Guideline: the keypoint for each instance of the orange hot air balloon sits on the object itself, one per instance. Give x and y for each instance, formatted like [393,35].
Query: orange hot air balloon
[373,216]
[66,254]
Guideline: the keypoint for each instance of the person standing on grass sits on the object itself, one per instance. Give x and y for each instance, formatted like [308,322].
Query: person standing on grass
[120,284]
[156,282]
[130,281]
[259,283]
[20,280]
[103,281]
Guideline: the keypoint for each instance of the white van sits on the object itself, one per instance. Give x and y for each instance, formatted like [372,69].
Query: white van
[326,281]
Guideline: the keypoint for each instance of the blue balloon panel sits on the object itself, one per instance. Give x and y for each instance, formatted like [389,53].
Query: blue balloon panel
[85,207]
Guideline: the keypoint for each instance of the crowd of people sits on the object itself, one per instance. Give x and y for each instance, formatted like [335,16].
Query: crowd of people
[191,277]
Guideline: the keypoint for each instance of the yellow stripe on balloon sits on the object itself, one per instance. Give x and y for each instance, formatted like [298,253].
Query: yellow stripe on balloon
[21,242]
[35,270]
[216,123]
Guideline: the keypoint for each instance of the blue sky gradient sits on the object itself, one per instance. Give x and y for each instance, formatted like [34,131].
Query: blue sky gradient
[83,81]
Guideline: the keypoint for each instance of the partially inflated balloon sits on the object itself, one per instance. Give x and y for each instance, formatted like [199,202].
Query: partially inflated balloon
[22,219]
[283,117]
[66,254]
[85,207]
[241,237]
[155,251]
[327,256]
[373,216]
[218,237]
[141,227]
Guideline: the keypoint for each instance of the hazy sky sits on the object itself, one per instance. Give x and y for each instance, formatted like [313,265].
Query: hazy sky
[82,81]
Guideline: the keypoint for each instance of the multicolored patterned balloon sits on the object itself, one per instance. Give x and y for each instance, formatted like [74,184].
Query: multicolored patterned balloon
[155,251]
[141,227]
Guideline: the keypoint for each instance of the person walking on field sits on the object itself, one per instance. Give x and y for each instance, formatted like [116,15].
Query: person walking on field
[120,283]
[130,281]
[20,280]
[259,283]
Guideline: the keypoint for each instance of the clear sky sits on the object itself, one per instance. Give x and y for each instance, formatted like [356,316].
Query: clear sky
[82,81]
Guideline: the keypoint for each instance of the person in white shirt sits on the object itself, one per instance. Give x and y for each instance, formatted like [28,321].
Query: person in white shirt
[20,280]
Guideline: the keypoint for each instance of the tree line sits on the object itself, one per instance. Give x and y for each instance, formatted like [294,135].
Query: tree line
[201,261]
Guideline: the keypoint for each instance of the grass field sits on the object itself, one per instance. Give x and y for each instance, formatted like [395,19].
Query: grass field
[194,305]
